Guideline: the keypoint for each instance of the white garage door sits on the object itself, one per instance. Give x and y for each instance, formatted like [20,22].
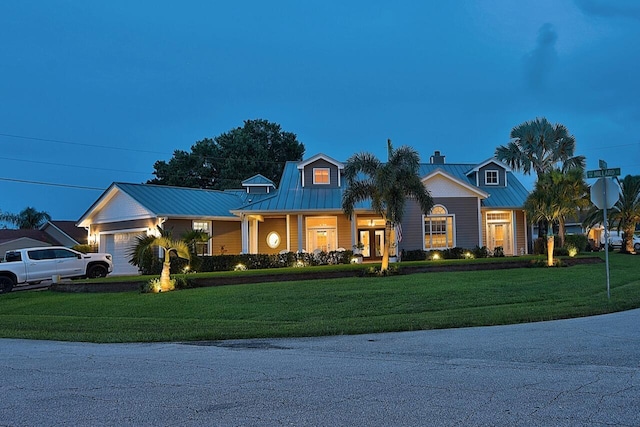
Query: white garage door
[119,245]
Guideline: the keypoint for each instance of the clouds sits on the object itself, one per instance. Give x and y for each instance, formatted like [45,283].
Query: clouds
[607,8]
[539,62]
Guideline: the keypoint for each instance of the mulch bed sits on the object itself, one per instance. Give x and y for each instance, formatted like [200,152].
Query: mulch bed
[125,286]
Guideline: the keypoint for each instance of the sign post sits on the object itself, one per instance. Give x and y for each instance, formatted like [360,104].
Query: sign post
[604,194]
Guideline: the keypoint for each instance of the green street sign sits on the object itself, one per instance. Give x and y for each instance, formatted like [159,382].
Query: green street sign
[603,173]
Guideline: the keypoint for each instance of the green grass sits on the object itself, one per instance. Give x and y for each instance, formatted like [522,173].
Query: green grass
[325,307]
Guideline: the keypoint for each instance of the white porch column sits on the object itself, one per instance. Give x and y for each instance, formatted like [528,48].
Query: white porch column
[526,235]
[480,223]
[288,233]
[514,220]
[244,229]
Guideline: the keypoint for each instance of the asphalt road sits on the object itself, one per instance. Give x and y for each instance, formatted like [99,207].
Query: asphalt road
[579,372]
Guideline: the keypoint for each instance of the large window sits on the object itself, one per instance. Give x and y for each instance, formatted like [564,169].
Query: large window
[321,176]
[439,229]
[322,233]
[202,246]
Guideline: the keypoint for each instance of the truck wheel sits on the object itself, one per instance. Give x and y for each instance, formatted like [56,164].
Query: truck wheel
[96,271]
[637,247]
[6,284]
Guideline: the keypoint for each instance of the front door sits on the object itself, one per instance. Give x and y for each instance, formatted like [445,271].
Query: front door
[373,243]
[499,235]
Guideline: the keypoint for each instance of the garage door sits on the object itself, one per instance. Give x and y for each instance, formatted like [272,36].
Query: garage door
[119,245]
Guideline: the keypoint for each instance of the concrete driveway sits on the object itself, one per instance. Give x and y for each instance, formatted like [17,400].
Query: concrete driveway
[578,372]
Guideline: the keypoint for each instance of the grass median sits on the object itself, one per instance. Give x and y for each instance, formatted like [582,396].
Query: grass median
[326,307]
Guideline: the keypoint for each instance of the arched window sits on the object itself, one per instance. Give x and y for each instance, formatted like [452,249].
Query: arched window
[439,231]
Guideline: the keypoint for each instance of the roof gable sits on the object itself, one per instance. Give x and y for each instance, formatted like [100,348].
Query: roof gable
[258,180]
[443,184]
[493,160]
[320,156]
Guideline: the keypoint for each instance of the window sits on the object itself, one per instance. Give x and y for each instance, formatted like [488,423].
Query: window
[438,229]
[322,233]
[202,245]
[273,240]
[321,176]
[491,177]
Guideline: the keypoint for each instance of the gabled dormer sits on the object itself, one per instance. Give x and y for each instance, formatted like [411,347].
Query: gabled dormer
[258,184]
[490,173]
[321,171]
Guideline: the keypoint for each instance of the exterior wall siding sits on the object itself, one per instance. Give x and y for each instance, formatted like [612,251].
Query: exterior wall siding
[465,211]
[344,232]
[279,225]
[227,238]
[521,233]
[492,167]
[321,163]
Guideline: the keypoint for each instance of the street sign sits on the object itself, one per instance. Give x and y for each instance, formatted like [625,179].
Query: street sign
[605,193]
[602,164]
[601,173]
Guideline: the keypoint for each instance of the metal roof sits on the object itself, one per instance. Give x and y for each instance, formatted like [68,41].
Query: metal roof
[165,200]
[292,197]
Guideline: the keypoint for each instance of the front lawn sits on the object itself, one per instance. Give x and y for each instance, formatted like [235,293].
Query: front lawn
[324,307]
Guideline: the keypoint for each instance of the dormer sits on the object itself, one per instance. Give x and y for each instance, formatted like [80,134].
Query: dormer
[490,173]
[321,171]
[258,184]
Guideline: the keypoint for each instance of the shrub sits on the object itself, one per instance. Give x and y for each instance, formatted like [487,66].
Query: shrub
[453,253]
[375,271]
[498,252]
[85,249]
[579,241]
[480,252]
[540,246]
[414,255]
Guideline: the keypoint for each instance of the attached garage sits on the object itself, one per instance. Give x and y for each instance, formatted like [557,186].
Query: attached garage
[119,246]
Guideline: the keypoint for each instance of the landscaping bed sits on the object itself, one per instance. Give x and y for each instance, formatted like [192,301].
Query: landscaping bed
[130,285]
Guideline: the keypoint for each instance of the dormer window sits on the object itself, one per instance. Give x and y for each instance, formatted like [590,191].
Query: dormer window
[491,177]
[321,176]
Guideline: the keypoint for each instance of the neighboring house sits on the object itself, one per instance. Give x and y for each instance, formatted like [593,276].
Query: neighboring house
[475,205]
[52,233]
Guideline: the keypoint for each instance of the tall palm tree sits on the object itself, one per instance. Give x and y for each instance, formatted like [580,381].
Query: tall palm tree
[624,215]
[539,146]
[28,218]
[572,195]
[169,247]
[387,185]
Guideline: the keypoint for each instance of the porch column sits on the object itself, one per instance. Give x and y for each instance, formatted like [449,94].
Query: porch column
[526,235]
[480,223]
[253,241]
[244,229]
[354,230]
[288,233]
[514,221]
[300,232]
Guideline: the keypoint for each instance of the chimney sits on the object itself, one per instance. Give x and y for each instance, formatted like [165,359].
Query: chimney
[437,159]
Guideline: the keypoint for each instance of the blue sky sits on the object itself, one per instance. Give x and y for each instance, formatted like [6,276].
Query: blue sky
[96,92]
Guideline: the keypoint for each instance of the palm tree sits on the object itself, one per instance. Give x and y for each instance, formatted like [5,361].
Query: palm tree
[28,218]
[539,146]
[542,204]
[169,247]
[572,195]
[624,215]
[193,237]
[387,186]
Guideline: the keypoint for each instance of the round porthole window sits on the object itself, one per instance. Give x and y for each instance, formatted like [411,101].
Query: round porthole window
[273,240]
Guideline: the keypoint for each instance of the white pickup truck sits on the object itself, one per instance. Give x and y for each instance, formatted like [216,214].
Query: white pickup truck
[33,265]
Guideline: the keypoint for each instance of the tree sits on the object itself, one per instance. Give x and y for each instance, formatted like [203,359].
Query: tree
[542,205]
[259,147]
[624,215]
[170,247]
[28,218]
[387,186]
[539,146]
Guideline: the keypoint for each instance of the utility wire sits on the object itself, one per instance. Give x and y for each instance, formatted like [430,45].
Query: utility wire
[57,141]
[71,166]
[51,184]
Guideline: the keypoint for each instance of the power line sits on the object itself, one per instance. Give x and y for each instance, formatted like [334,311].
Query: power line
[51,184]
[71,166]
[80,144]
